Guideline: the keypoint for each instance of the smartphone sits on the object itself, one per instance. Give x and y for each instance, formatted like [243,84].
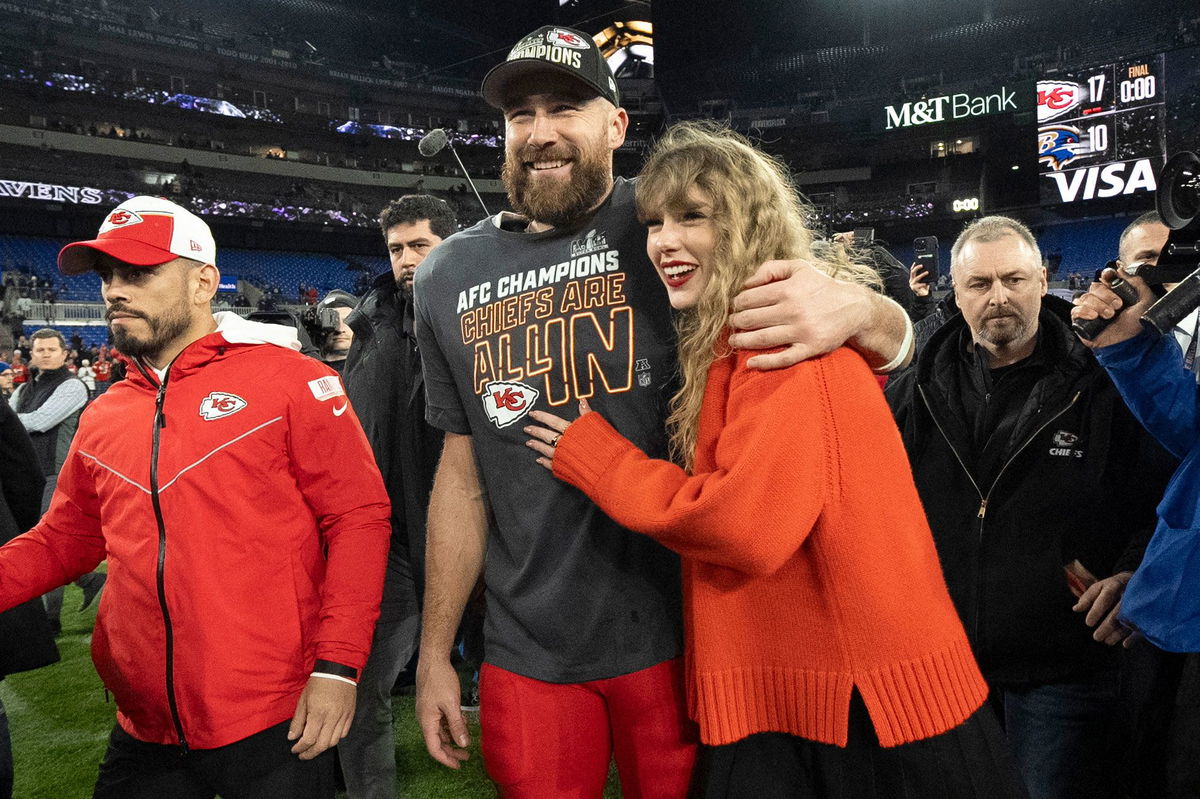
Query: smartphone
[925,251]
[864,236]
[1079,579]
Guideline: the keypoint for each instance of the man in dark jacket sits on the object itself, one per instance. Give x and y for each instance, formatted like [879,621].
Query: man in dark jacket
[25,638]
[1027,460]
[382,374]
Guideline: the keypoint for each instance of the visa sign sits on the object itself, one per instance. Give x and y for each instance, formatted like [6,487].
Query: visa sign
[1109,180]
[948,106]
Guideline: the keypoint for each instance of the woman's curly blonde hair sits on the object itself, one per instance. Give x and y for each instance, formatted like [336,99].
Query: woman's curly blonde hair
[758,215]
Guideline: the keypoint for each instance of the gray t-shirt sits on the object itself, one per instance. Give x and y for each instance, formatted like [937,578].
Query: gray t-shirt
[508,322]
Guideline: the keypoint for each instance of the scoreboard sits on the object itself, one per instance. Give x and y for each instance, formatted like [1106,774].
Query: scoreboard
[1102,131]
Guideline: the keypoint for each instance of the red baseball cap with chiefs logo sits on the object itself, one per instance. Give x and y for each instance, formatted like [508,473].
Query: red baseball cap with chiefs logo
[143,231]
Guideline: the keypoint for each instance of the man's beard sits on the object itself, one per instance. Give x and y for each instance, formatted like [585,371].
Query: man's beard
[404,285]
[556,203]
[405,288]
[1013,330]
[335,354]
[164,329]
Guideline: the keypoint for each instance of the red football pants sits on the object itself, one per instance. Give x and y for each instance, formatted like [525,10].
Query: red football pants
[554,741]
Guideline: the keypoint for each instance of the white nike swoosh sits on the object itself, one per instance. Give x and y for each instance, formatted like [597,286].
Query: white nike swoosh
[341,410]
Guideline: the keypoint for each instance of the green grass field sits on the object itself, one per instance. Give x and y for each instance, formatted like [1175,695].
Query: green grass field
[60,719]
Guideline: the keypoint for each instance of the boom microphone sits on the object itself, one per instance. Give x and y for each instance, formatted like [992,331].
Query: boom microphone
[433,142]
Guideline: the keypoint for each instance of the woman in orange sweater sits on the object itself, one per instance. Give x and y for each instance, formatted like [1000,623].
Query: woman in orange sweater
[823,654]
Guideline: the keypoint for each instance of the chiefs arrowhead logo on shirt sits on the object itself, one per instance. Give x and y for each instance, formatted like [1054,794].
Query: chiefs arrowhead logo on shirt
[1064,445]
[506,402]
[220,404]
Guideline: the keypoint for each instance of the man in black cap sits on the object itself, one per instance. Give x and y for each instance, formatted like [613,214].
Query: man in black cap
[539,309]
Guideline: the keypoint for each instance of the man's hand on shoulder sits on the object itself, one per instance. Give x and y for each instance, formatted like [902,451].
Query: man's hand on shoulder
[323,716]
[793,305]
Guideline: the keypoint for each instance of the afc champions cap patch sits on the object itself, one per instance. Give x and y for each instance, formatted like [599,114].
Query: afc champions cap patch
[143,231]
[558,49]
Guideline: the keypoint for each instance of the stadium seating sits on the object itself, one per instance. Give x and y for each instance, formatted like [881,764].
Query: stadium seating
[286,270]
[1085,246]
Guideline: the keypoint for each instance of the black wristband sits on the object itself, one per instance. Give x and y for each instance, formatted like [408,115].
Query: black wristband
[336,669]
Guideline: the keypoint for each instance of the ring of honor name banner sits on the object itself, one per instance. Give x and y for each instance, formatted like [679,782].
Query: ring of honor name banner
[1102,131]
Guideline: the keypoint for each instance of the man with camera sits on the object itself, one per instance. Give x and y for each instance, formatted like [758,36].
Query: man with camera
[1145,366]
[1167,699]
[335,340]
[1021,451]
[1143,242]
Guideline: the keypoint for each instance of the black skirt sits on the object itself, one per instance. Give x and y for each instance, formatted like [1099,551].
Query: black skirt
[970,761]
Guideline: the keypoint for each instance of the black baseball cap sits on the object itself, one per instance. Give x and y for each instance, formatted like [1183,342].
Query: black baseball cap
[553,48]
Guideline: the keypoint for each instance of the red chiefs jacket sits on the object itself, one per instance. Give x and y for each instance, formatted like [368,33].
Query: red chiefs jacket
[246,529]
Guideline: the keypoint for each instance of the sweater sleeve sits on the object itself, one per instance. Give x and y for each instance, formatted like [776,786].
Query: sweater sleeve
[754,508]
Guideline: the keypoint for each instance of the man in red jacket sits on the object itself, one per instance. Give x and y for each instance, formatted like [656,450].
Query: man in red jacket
[230,487]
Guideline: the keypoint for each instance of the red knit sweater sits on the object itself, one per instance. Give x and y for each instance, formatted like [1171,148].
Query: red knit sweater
[808,566]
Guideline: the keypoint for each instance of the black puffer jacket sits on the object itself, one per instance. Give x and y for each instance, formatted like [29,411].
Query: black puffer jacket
[25,638]
[1070,475]
[382,375]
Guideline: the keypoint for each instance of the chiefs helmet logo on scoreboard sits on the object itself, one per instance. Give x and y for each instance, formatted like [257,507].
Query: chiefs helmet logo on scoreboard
[1056,98]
